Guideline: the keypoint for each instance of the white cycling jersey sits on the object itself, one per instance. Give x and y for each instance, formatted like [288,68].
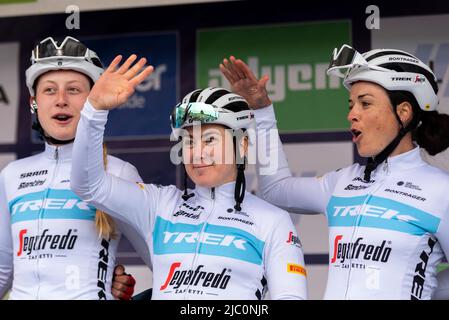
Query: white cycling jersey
[386,236]
[200,248]
[48,233]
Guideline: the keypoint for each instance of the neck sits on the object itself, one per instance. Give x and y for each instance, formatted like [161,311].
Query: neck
[405,145]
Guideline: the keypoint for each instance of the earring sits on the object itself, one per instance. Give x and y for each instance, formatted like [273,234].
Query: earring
[33,106]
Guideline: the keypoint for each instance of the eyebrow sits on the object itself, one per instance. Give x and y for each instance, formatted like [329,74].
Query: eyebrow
[362,96]
[68,82]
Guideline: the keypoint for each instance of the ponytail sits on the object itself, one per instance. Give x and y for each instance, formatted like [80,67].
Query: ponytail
[433,132]
[430,129]
[103,222]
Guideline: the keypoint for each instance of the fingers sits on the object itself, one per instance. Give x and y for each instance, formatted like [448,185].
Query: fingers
[129,74]
[142,76]
[125,66]
[235,69]
[243,67]
[114,64]
[228,75]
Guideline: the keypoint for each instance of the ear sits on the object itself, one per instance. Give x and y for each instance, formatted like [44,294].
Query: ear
[243,146]
[405,112]
[33,104]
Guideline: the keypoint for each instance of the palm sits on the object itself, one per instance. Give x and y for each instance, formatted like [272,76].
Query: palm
[116,85]
[244,83]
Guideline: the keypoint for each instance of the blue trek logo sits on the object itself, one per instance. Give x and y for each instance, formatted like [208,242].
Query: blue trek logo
[175,238]
[50,204]
[380,213]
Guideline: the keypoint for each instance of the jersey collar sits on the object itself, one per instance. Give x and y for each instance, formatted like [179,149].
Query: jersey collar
[61,152]
[404,161]
[225,191]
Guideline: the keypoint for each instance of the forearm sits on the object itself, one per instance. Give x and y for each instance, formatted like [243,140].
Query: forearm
[276,183]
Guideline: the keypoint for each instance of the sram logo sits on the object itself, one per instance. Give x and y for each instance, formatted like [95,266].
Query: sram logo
[206,238]
[371,211]
[56,204]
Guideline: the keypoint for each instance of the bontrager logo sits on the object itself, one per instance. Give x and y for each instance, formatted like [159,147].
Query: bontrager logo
[28,244]
[50,204]
[358,249]
[33,174]
[371,211]
[206,238]
[195,278]
[403,59]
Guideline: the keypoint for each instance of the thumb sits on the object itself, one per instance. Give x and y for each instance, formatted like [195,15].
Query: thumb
[263,81]
[119,270]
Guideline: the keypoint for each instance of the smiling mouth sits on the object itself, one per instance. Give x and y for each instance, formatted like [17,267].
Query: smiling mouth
[202,166]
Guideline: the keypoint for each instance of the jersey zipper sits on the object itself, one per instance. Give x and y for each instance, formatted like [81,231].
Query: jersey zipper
[359,219]
[200,237]
[41,212]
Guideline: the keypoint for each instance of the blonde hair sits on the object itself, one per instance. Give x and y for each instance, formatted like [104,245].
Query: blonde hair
[103,222]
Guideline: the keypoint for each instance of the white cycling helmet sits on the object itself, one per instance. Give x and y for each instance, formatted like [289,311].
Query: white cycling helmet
[69,55]
[212,106]
[215,106]
[394,70]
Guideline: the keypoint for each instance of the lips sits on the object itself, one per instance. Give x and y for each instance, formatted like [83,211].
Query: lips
[62,118]
[201,166]
[356,134]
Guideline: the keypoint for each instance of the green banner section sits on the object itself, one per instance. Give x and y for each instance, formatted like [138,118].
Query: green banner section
[295,56]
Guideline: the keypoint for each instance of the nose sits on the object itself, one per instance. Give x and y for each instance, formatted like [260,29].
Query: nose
[61,101]
[353,114]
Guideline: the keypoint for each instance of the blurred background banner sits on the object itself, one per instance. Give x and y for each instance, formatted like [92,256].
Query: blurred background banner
[144,115]
[295,57]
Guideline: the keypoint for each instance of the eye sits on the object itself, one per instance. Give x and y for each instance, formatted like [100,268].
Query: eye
[188,142]
[74,90]
[365,104]
[49,90]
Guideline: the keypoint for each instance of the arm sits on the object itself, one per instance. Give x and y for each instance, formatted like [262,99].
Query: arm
[285,268]
[6,247]
[125,200]
[129,173]
[276,183]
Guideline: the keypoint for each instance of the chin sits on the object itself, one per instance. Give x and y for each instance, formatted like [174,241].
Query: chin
[366,153]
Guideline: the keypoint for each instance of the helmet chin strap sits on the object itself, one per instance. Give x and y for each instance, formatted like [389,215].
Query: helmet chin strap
[373,162]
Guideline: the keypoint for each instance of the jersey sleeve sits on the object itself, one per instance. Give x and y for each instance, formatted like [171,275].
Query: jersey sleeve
[131,202]
[276,183]
[6,246]
[130,173]
[284,262]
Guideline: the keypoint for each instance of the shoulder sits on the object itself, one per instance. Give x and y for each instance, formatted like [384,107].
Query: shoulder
[16,166]
[263,210]
[122,169]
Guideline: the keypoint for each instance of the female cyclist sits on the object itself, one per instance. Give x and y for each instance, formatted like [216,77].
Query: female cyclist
[52,244]
[214,242]
[389,219]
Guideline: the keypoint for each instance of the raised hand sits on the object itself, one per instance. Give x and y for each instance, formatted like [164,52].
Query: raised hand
[244,83]
[117,84]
